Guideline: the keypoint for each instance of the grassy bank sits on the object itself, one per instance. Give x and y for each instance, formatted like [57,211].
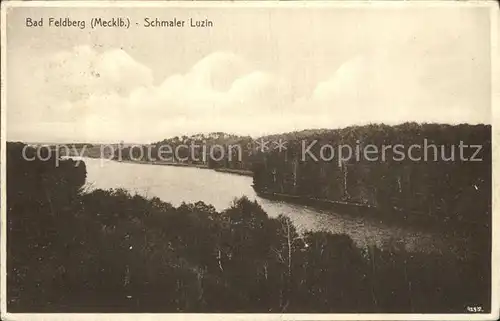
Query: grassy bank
[241,172]
[163,163]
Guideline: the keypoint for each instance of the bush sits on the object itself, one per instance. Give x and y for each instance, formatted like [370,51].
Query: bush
[109,251]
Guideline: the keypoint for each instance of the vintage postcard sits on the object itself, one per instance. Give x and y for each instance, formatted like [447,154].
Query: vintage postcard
[249,160]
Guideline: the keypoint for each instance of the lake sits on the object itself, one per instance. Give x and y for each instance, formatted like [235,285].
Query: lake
[188,184]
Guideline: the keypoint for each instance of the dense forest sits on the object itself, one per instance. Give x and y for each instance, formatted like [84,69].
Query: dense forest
[213,150]
[437,187]
[74,250]
[440,188]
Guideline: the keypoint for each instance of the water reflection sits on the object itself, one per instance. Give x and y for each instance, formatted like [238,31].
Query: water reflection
[186,184]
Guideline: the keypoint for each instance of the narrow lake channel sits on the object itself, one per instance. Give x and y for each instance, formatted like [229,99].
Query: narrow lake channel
[188,184]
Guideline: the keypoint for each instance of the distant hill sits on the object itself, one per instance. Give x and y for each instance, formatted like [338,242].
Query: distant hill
[210,138]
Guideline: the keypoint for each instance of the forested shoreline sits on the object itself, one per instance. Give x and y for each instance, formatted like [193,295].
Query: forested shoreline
[446,190]
[442,189]
[72,250]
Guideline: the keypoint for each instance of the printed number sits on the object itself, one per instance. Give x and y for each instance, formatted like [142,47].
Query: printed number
[474,308]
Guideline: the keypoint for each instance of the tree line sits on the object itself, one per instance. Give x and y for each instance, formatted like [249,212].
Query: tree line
[213,150]
[447,191]
[436,189]
[74,250]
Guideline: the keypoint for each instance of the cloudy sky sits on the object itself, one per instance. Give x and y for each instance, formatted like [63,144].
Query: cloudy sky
[257,71]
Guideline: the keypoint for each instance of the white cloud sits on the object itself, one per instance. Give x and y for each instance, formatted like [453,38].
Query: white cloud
[401,85]
[83,72]
[86,95]
[217,71]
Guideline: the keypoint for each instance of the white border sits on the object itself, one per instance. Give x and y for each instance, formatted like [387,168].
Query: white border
[495,143]
[492,4]
[495,99]
[3,186]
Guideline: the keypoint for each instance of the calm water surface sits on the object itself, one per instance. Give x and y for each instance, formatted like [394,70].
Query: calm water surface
[187,184]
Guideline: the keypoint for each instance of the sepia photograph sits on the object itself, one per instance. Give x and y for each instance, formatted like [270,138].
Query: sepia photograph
[256,160]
